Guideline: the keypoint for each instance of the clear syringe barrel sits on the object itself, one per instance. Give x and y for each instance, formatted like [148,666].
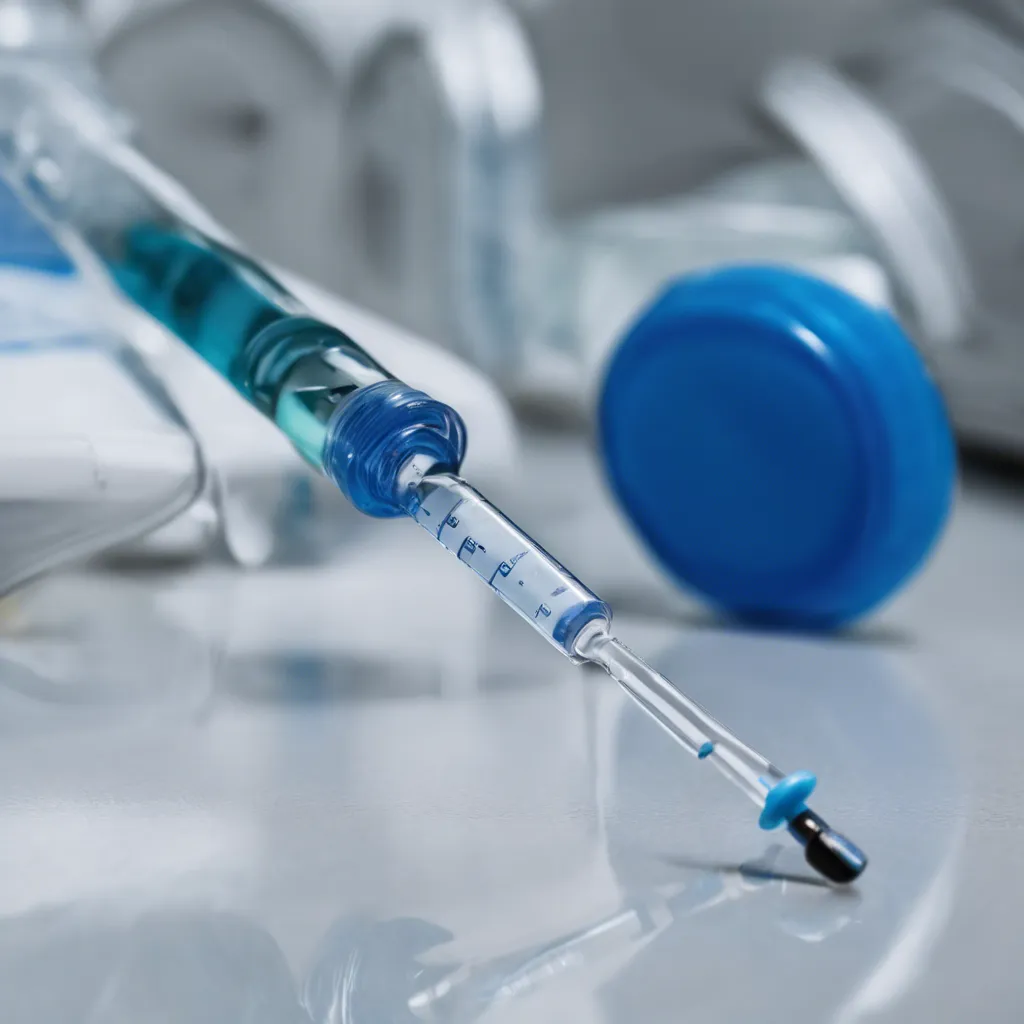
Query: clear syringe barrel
[67,155]
[510,562]
[574,619]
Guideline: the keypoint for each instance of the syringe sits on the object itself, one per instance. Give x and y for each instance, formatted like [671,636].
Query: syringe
[391,450]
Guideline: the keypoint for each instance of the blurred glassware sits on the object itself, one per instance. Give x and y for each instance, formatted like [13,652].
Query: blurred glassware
[648,97]
[878,192]
[444,189]
[93,451]
[441,180]
[605,268]
[928,161]
[914,150]
[644,95]
[227,93]
[98,456]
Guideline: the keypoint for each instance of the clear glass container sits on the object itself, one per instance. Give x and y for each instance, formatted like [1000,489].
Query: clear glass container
[605,268]
[446,171]
[93,451]
[880,192]
[923,138]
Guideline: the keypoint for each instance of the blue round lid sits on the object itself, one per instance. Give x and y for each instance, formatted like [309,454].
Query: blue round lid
[778,444]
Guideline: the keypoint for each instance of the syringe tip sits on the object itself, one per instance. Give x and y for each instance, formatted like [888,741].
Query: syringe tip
[827,851]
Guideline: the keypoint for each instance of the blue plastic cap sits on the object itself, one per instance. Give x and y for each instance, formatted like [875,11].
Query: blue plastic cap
[376,432]
[778,444]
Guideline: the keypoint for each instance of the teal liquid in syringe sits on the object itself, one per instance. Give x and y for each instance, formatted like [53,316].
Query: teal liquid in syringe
[247,328]
[391,449]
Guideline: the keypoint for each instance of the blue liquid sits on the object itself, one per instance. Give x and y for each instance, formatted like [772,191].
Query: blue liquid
[292,367]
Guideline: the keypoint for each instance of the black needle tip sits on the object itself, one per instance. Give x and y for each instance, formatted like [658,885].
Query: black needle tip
[828,852]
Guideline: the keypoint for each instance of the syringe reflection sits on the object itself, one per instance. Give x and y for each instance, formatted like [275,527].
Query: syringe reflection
[359,964]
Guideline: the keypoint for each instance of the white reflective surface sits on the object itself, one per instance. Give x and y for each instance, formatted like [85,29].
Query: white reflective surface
[301,795]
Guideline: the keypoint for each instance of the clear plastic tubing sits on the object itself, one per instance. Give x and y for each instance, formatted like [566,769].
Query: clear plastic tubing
[392,450]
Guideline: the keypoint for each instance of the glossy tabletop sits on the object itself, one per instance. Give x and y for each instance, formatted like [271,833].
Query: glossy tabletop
[363,792]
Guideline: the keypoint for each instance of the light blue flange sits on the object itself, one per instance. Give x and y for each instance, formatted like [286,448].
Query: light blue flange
[786,799]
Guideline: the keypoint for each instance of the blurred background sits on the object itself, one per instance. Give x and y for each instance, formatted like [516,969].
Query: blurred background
[577,157]
[268,760]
